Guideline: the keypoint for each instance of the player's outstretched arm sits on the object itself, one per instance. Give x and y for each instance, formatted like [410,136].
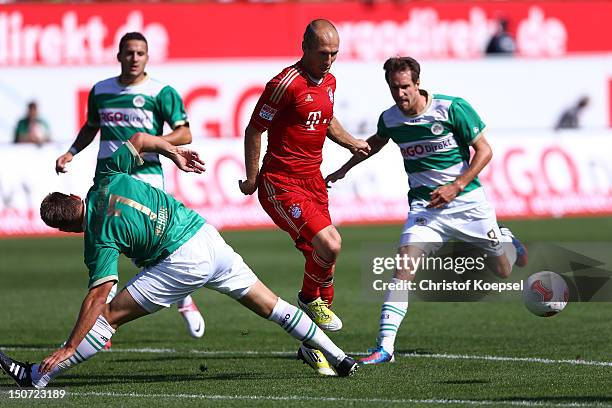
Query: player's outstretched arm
[187,160]
[446,193]
[92,307]
[252,150]
[339,135]
[375,143]
[84,138]
[181,135]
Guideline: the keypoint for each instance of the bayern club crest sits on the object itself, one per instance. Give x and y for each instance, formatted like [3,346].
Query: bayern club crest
[330,93]
[295,211]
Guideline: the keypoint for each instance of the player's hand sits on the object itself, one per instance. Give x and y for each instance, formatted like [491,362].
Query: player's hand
[335,176]
[247,186]
[62,161]
[360,148]
[188,160]
[443,195]
[54,359]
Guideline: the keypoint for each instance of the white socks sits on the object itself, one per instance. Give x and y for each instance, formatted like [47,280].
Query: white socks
[393,311]
[300,327]
[93,342]
[186,301]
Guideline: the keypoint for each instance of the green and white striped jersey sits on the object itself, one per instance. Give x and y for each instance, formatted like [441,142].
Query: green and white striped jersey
[434,144]
[120,111]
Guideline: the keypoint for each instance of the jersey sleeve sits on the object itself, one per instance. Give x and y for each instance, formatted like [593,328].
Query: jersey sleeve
[466,123]
[93,116]
[124,160]
[101,260]
[171,107]
[381,128]
[274,98]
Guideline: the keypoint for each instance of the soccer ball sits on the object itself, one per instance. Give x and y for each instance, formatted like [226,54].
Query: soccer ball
[545,293]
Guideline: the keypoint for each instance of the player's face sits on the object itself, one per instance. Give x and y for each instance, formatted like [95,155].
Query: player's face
[405,92]
[133,58]
[319,57]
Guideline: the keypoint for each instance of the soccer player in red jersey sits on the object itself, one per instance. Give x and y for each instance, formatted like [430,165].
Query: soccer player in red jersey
[297,110]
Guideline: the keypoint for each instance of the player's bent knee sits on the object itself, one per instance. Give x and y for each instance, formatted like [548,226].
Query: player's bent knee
[500,267]
[327,243]
[405,274]
[334,247]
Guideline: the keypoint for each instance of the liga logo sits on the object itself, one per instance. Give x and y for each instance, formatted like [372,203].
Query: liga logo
[330,93]
[295,211]
[267,112]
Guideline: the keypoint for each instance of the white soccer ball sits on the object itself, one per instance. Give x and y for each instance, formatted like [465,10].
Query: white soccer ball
[545,293]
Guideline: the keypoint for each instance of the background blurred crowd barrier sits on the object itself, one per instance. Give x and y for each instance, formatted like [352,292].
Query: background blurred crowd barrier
[533,174]
[219,57]
[220,96]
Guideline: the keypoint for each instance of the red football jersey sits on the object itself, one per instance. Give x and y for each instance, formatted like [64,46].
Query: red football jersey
[296,112]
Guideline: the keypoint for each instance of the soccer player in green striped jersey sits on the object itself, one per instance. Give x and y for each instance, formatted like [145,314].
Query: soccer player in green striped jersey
[179,252]
[447,202]
[133,102]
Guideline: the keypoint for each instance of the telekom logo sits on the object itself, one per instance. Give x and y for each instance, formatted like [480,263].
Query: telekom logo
[313,119]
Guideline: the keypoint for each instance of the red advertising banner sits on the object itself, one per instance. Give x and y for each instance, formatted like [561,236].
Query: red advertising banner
[67,34]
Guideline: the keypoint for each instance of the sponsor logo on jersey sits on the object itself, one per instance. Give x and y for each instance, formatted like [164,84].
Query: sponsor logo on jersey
[295,211]
[138,101]
[330,93]
[126,117]
[267,112]
[314,118]
[437,128]
[308,98]
[411,151]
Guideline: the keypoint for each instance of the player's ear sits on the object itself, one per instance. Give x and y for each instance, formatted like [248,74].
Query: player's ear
[303,46]
[119,57]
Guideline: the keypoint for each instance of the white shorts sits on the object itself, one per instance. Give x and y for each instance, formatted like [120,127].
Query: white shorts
[205,260]
[429,229]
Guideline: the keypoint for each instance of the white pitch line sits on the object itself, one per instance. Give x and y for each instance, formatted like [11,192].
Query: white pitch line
[292,353]
[431,401]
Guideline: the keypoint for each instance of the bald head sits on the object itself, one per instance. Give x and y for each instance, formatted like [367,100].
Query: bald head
[319,30]
[320,46]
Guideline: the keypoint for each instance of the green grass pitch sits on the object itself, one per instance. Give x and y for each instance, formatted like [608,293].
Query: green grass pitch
[449,354]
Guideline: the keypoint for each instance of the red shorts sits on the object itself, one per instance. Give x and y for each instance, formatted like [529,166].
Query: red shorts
[298,206]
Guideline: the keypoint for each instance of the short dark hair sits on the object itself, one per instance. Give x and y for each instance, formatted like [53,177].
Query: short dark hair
[398,64]
[131,36]
[59,210]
